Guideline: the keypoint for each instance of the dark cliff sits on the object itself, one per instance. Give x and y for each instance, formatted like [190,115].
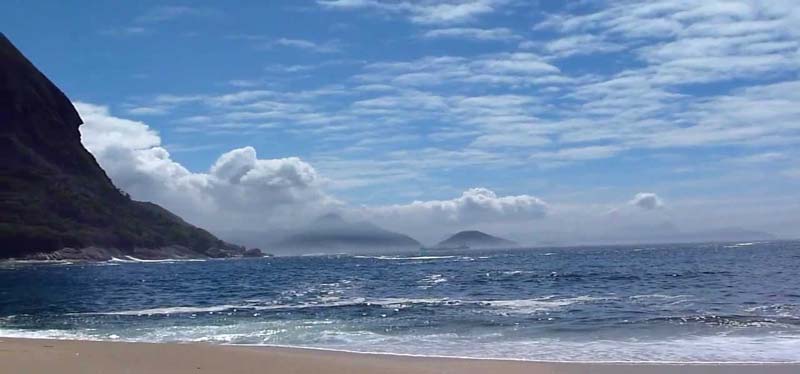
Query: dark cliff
[53,193]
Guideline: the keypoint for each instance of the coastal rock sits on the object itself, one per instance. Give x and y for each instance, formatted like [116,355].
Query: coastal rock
[253,252]
[55,200]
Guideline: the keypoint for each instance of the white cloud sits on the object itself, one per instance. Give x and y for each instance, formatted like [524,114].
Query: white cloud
[510,70]
[327,47]
[497,34]
[515,108]
[164,13]
[577,154]
[647,201]
[104,131]
[268,42]
[476,205]
[575,45]
[240,190]
[423,11]
[685,42]
[147,111]
[760,158]
[244,192]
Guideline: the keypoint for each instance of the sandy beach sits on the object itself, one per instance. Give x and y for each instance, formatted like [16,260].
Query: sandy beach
[69,356]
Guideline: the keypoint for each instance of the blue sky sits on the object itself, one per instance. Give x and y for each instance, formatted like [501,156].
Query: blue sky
[554,116]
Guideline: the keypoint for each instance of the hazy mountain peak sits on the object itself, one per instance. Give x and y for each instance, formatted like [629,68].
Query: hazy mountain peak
[475,239]
[330,219]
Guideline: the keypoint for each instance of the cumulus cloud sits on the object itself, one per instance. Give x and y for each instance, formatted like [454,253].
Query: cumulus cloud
[647,201]
[476,205]
[239,189]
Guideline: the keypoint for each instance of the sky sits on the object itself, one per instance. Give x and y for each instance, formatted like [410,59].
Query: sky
[543,121]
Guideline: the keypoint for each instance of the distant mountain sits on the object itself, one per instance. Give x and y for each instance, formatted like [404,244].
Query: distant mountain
[55,200]
[475,239]
[331,234]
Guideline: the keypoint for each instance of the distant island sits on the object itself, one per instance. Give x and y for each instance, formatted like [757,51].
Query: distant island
[55,200]
[474,239]
[331,233]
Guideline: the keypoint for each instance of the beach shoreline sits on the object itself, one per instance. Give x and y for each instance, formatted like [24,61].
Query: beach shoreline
[77,356]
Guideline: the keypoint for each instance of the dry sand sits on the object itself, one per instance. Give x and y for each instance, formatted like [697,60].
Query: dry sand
[68,357]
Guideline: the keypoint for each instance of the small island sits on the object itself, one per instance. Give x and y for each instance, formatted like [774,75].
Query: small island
[473,239]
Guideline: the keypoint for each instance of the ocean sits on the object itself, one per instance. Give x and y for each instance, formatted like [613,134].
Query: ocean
[666,303]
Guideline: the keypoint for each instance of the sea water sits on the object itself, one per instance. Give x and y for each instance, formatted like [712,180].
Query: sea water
[708,302]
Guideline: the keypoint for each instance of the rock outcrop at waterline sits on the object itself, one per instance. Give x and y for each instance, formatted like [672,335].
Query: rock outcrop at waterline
[55,200]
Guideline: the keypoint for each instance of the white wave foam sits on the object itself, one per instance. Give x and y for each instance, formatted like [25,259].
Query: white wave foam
[35,262]
[660,299]
[172,310]
[133,260]
[517,272]
[48,334]
[399,302]
[327,334]
[541,304]
[504,306]
[395,258]
[431,280]
[658,296]
[737,245]
[709,349]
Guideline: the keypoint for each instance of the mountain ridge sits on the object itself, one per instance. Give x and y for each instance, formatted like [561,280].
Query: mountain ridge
[56,202]
[330,233]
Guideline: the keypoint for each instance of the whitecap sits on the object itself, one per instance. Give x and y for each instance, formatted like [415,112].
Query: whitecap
[431,280]
[133,260]
[659,296]
[171,310]
[396,258]
[546,303]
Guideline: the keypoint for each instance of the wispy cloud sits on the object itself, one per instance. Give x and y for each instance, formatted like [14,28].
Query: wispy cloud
[165,13]
[494,34]
[586,44]
[260,41]
[326,47]
[424,11]
[148,22]
[516,108]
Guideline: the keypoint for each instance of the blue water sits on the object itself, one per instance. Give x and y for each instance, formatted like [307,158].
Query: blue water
[710,302]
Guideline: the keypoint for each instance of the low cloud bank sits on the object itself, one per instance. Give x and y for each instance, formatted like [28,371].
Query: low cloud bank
[473,206]
[242,191]
[239,188]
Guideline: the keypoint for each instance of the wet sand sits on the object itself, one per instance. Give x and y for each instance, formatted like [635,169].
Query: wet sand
[73,357]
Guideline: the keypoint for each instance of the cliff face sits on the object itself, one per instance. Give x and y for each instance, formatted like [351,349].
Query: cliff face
[54,195]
